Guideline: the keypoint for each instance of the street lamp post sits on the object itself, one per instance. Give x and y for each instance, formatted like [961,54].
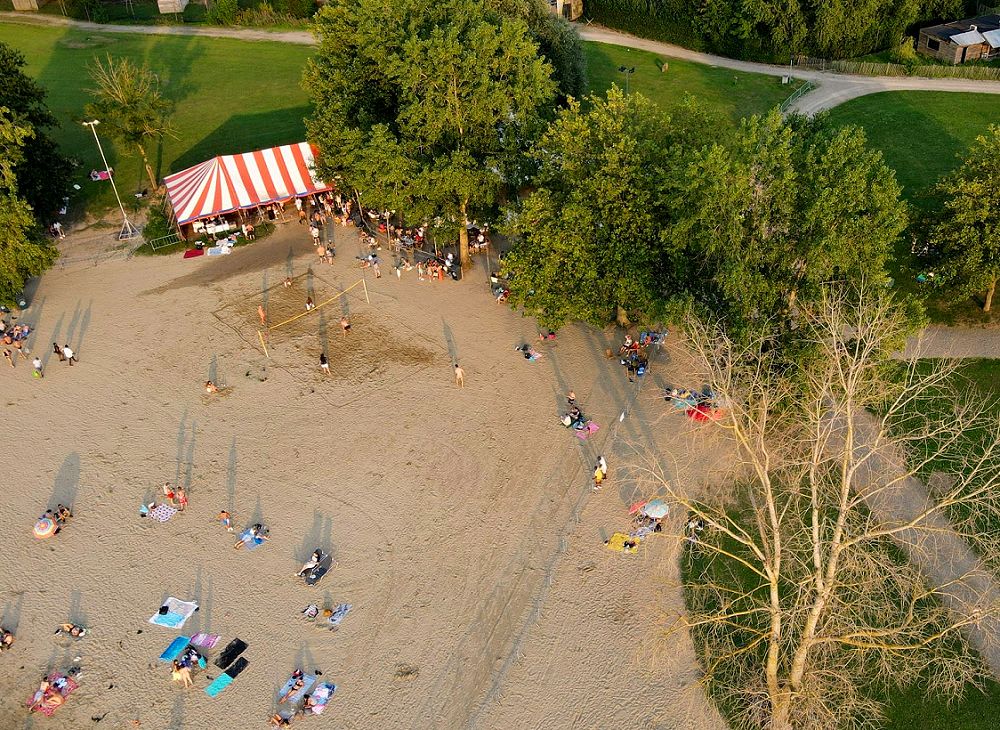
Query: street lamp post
[628,71]
[128,230]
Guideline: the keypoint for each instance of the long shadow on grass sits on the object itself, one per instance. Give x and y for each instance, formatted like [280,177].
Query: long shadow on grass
[246,133]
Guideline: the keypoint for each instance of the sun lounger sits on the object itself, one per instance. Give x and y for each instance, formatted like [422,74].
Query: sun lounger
[321,696]
[307,682]
[177,613]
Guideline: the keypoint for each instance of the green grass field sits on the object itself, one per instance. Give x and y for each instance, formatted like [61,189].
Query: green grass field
[228,96]
[734,95]
[923,135]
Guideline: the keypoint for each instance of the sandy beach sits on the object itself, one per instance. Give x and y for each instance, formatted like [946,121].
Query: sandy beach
[466,536]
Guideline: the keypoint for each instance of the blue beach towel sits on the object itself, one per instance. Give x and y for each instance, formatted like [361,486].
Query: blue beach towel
[177,646]
[220,683]
[338,615]
[307,682]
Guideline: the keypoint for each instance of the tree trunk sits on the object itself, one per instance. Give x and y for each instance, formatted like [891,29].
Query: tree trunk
[989,296]
[621,316]
[149,169]
[463,239]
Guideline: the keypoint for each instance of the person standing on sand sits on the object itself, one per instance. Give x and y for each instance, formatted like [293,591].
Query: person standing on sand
[8,358]
[182,499]
[345,325]
[309,304]
[459,376]
[226,520]
[69,355]
[168,493]
[37,365]
[262,314]
[324,364]
[56,350]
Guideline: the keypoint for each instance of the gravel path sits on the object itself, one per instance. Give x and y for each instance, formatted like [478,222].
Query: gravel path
[937,341]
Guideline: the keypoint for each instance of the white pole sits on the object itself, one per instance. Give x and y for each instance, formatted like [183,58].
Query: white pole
[128,230]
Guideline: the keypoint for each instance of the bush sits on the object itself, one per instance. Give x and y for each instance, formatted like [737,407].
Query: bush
[904,53]
[223,12]
[91,10]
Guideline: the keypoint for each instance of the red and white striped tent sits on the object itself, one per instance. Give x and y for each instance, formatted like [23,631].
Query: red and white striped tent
[238,182]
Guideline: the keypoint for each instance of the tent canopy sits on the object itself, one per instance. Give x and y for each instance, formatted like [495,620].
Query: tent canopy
[235,182]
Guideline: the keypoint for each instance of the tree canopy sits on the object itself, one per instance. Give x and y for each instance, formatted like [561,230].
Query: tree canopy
[43,172]
[127,100]
[967,229]
[634,211]
[24,251]
[773,29]
[442,96]
[590,232]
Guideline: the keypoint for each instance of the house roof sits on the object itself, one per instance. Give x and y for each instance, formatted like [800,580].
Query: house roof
[993,38]
[958,31]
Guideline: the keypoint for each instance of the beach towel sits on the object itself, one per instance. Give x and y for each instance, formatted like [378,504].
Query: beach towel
[617,543]
[218,250]
[192,252]
[338,615]
[238,666]
[220,683]
[176,648]
[584,433]
[178,612]
[206,641]
[47,708]
[162,512]
[307,682]
[321,696]
[249,542]
[233,649]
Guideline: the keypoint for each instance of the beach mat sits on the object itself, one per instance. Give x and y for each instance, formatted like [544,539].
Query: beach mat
[233,649]
[238,666]
[220,683]
[584,433]
[338,615]
[192,252]
[307,682]
[176,648]
[321,696]
[68,689]
[162,512]
[178,612]
[316,574]
[205,641]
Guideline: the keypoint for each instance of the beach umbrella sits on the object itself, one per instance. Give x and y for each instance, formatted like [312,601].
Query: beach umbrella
[656,509]
[45,527]
[636,506]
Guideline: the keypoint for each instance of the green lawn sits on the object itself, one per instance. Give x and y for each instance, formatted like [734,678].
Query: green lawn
[229,96]
[923,134]
[733,94]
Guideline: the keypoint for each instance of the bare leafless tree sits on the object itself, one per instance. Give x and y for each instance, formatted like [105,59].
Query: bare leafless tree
[829,570]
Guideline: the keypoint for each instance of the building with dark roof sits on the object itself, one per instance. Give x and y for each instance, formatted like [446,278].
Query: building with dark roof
[971,39]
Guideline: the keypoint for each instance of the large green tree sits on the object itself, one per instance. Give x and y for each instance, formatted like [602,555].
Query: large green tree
[967,231]
[43,173]
[128,101]
[784,207]
[589,236]
[24,250]
[444,95]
